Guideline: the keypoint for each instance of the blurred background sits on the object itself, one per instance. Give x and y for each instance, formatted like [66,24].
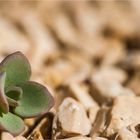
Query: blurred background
[68,41]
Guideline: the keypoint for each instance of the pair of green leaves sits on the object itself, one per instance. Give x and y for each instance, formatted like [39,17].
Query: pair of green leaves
[20,97]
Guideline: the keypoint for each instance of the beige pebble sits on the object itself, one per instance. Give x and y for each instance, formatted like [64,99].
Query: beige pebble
[82,95]
[111,58]
[7,136]
[110,73]
[30,121]
[58,72]
[134,128]
[73,118]
[43,43]
[78,138]
[124,112]
[20,138]
[106,85]
[126,134]
[11,39]
[100,122]
[55,129]
[92,113]
[67,34]
[99,138]
[79,75]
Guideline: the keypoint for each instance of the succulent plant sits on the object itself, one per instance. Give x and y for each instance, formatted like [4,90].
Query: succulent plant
[19,97]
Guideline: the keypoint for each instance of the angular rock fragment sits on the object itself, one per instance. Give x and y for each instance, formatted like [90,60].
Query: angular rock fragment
[44,43]
[115,54]
[82,95]
[135,128]
[20,138]
[7,136]
[92,113]
[126,134]
[81,68]
[110,73]
[72,119]
[100,122]
[11,39]
[30,122]
[106,85]
[124,112]
[99,138]
[77,138]
[79,75]
[57,72]
[56,130]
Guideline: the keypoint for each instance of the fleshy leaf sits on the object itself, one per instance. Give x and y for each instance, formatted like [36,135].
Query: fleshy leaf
[14,93]
[3,101]
[11,123]
[36,100]
[12,102]
[17,69]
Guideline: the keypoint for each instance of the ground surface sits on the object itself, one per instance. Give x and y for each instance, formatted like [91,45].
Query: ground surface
[88,55]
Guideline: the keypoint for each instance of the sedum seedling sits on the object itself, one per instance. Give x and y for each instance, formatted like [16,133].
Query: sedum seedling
[19,97]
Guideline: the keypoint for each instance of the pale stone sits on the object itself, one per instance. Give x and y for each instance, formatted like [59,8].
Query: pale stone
[7,136]
[20,138]
[92,113]
[115,54]
[100,122]
[131,132]
[73,118]
[44,44]
[99,138]
[126,134]
[11,39]
[29,121]
[107,86]
[124,112]
[82,95]
[110,73]
[77,138]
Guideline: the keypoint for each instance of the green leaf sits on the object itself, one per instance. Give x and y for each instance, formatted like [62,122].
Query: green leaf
[14,92]
[12,102]
[17,68]
[11,123]
[36,100]
[3,101]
